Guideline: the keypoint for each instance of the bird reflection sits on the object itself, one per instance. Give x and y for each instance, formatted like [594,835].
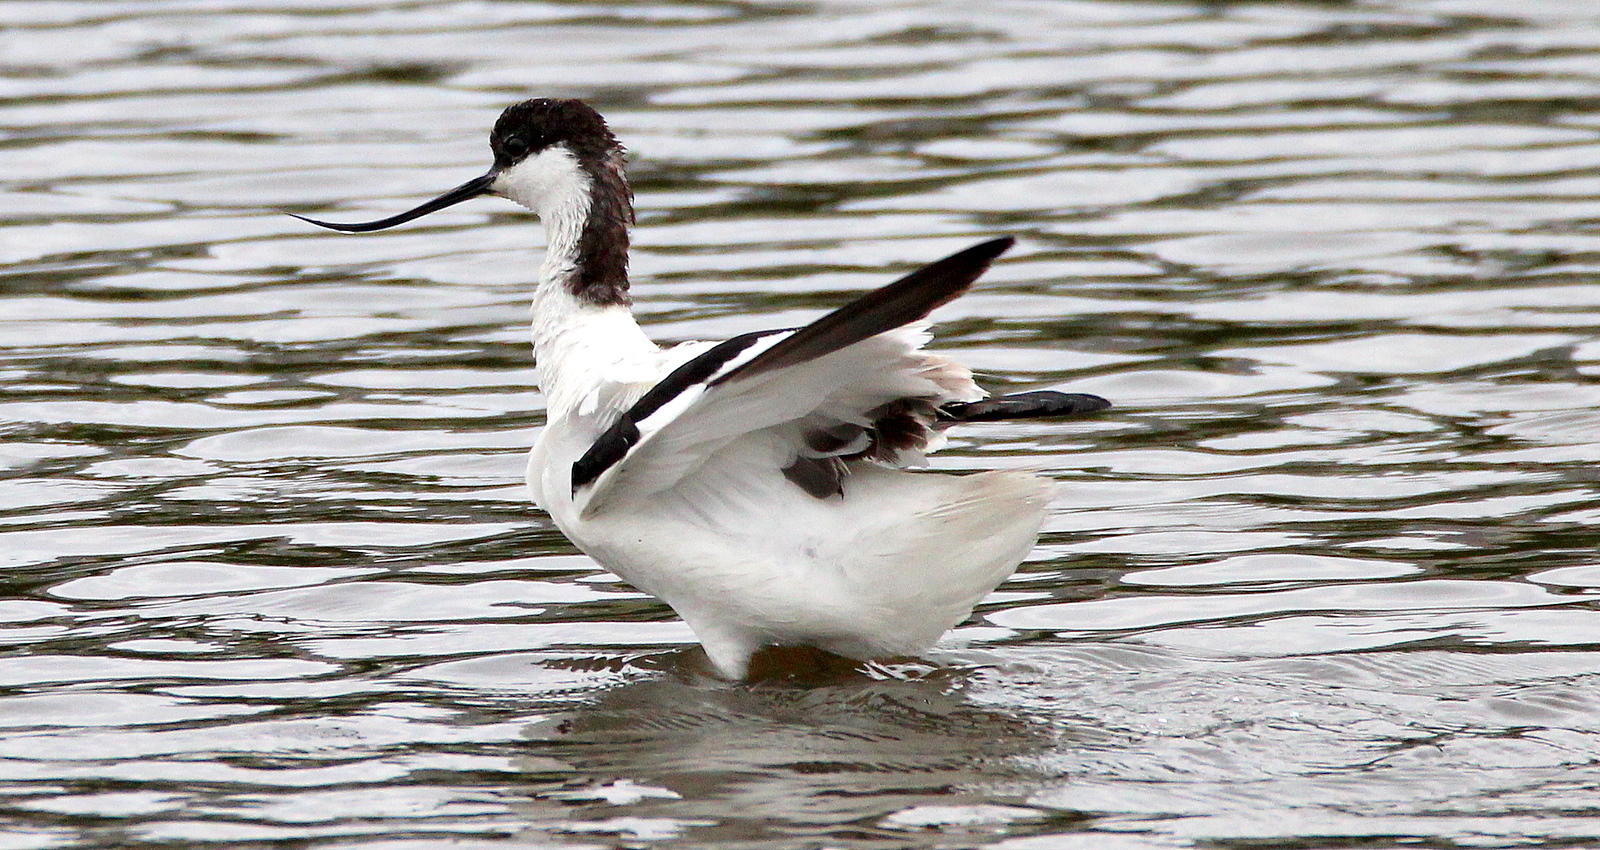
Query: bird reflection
[802,753]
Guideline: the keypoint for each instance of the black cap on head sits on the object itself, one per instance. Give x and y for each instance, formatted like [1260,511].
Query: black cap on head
[531,126]
[523,130]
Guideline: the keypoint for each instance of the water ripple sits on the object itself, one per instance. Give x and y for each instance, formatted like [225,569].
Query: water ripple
[1325,574]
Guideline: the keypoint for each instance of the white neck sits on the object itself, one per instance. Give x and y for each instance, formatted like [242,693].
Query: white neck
[578,346]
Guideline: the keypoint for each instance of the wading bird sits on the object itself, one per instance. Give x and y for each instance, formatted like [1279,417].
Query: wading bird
[756,485]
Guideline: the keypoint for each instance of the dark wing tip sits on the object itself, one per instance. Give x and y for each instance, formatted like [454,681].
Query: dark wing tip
[1040,404]
[900,303]
[991,249]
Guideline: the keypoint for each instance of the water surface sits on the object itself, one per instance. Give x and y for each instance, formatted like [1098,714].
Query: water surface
[1325,576]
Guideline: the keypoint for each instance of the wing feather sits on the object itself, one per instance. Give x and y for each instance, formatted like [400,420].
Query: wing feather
[833,372]
[907,300]
[666,400]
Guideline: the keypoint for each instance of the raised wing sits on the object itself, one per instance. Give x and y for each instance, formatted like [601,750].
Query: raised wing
[907,300]
[831,377]
[665,401]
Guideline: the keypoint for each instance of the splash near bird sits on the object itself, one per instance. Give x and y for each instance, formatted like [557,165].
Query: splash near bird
[756,485]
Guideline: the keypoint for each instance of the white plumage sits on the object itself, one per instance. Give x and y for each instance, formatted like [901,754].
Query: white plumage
[754,485]
[700,515]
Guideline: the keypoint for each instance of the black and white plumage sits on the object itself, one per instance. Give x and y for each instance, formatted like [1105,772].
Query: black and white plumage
[757,485]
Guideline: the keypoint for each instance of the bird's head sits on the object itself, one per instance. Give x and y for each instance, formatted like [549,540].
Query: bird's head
[547,153]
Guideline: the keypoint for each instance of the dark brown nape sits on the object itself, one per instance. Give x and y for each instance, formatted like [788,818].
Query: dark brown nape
[601,277]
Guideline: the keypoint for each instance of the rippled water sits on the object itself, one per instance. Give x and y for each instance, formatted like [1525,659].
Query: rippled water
[1326,575]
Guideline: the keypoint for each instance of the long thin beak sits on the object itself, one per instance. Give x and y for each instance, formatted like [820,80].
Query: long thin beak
[465,192]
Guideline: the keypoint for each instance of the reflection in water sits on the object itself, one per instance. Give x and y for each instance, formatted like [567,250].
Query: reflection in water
[1060,741]
[777,760]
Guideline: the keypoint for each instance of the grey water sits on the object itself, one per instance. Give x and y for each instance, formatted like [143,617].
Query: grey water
[1325,576]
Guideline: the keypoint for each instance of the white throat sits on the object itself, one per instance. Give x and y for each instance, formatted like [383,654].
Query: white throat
[553,185]
[577,345]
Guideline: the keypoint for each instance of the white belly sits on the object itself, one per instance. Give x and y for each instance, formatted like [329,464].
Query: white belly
[749,559]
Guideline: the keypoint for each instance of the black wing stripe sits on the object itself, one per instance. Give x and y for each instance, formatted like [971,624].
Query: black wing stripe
[614,443]
[900,303]
[1032,405]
